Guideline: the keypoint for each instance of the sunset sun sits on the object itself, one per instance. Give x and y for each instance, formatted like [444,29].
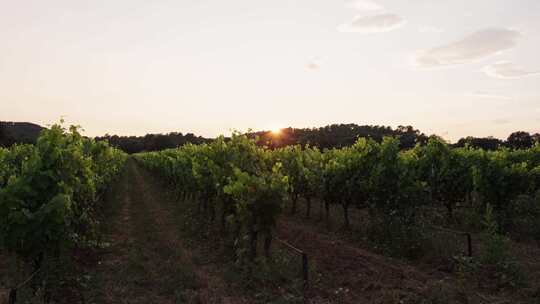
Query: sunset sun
[275,130]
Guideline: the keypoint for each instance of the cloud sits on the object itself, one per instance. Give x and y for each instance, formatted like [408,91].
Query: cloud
[507,70]
[372,24]
[430,29]
[314,64]
[473,47]
[364,5]
[490,95]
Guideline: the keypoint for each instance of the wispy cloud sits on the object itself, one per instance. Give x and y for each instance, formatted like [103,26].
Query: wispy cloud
[475,46]
[489,95]
[364,5]
[430,29]
[507,70]
[372,24]
[314,64]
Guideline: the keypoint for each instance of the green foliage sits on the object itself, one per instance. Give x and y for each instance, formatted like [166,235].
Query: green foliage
[498,181]
[527,213]
[496,253]
[242,176]
[496,247]
[396,194]
[446,172]
[12,160]
[250,183]
[48,190]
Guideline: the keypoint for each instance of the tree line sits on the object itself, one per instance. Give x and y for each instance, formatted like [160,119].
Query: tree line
[327,137]
[151,142]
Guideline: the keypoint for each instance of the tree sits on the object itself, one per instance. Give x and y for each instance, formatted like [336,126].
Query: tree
[536,138]
[5,139]
[487,143]
[409,137]
[2,136]
[519,140]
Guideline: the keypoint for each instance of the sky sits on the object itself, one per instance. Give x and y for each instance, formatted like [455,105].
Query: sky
[130,67]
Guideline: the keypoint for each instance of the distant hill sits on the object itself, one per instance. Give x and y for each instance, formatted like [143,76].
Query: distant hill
[339,135]
[330,136]
[18,132]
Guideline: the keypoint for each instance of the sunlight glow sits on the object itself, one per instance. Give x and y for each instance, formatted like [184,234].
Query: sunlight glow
[275,130]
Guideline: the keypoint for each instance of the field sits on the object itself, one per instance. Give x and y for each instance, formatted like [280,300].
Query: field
[228,222]
[281,152]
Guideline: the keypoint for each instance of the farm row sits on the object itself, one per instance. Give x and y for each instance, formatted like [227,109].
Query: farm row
[251,186]
[48,197]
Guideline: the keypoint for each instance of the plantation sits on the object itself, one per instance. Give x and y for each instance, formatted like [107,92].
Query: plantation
[388,152]
[404,195]
[225,213]
[48,196]
[253,184]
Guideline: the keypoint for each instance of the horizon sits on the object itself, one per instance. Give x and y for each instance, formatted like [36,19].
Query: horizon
[453,68]
[274,131]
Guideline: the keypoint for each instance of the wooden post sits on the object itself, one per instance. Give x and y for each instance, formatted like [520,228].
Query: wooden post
[305,265]
[469,244]
[305,270]
[12,296]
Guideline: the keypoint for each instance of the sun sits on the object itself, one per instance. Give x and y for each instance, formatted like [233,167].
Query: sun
[275,130]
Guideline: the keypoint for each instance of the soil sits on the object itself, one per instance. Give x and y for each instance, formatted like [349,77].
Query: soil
[147,261]
[145,258]
[354,275]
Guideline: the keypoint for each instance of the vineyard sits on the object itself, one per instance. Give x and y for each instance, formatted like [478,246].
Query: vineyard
[48,195]
[402,195]
[254,185]
[359,211]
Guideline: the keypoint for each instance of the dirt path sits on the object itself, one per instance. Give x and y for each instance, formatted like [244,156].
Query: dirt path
[351,274]
[345,273]
[146,261]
